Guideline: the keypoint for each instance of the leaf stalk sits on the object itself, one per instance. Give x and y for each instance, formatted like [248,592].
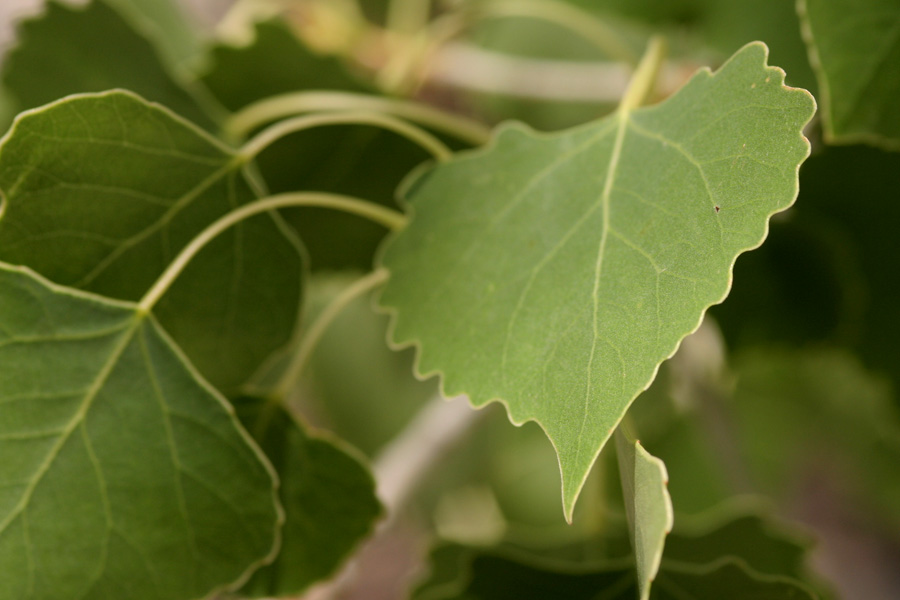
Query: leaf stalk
[385,216]
[415,134]
[286,105]
[314,334]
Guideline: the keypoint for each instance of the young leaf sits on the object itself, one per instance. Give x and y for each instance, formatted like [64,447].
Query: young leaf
[124,474]
[328,497]
[647,506]
[854,48]
[73,49]
[556,272]
[103,190]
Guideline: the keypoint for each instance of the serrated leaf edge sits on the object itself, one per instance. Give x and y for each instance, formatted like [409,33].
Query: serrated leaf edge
[504,129]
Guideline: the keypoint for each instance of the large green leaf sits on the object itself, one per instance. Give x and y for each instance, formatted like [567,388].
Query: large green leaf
[328,497]
[73,49]
[854,47]
[102,191]
[647,506]
[555,273]
[124,474]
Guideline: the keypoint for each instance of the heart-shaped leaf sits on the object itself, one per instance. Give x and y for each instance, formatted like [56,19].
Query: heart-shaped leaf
[103,190]
[556,272]
[124,475]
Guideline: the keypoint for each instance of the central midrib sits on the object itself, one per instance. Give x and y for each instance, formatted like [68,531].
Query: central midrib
[76,420]
[615,155]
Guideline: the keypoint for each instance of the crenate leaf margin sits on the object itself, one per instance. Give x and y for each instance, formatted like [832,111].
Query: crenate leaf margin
[571,490]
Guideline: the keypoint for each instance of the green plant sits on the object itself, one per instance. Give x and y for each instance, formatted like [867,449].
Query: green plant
[182,230]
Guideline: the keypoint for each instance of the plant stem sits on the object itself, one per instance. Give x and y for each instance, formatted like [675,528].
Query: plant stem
[574,19]
[311,337]
[644,78]
[384,216]
[292,125]
[285,105]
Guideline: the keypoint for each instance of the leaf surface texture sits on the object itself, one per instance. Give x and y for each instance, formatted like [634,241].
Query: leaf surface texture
[103,190]
[556,272]
[124,474]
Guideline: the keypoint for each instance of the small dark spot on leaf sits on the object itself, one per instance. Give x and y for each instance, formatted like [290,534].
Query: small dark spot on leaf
[717,210]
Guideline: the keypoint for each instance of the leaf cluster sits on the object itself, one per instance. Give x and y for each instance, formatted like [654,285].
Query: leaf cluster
[239,269]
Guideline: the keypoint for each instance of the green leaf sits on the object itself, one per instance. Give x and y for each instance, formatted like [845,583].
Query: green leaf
[354,160]
[745,532]
[460,573]
[275,62]
[125,475]
[72,49]
[647,506]
[555,273]
[727,578]
[854,48]
[328,497]
[167,25]
[102,191]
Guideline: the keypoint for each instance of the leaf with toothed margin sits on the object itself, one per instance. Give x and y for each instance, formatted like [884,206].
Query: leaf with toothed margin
[554,273]
[124,474]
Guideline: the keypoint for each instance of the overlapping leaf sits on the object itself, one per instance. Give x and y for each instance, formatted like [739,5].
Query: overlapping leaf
[328,497]
[356,160]
[102,191]
[854,47]
[124,474]
[70,50]
[647,506]
[556,272]
[275,62]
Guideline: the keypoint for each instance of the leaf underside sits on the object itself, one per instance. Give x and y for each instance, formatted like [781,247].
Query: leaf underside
[124,474]
[103,190]
[556,272]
